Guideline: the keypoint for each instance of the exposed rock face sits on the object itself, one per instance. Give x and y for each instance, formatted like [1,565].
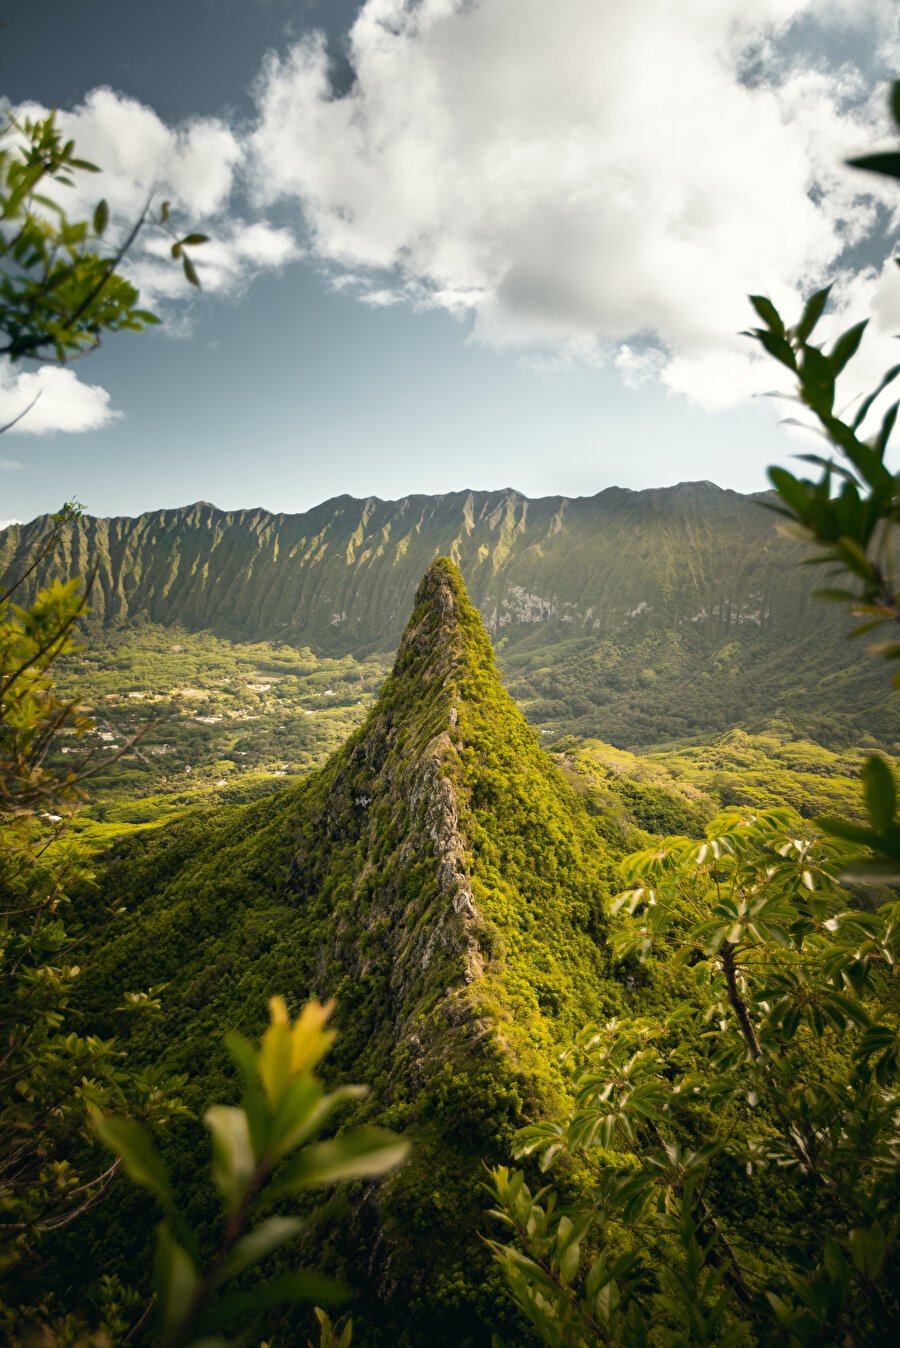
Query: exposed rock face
[403,778]
[430,863]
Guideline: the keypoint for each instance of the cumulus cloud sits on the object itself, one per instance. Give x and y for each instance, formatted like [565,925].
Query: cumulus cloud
[59,400]
[197,167]
[607,181]
[584,182]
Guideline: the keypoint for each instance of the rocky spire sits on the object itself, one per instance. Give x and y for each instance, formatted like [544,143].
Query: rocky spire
[445,884]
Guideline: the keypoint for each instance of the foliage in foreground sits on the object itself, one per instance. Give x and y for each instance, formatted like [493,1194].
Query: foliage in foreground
[59,287]
[262,1154]
[745,1177]
[742,1152]
[50,1070]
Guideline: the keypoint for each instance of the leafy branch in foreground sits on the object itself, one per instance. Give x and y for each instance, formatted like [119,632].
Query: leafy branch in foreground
[60,290]
[262,1154]
[851,511]
[740,1154]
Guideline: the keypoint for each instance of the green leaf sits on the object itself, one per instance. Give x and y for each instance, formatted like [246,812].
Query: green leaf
[101,217]
[846,346]
[253,1247]
[886,162]
[768,313]
[790,490]
[854,558]
[848,831]
[880,793]
[894,101]
[887,425]
[302,1110]
[132,1144]
[817,381]
[776,346]
[836,596]
[176,1279]
[867,402]
[863,871]
[194,239]
[867,1250]
[189,271]
[233,1159]
[811,314]
[354,1155]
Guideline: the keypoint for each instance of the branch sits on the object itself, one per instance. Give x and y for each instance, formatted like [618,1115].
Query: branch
[9,425]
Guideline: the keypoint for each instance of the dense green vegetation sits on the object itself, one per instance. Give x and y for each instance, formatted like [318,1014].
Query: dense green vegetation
[637,690]
[222,709]
[439,878]
[746,1178]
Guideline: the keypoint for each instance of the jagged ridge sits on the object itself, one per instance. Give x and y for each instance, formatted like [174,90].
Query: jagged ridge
[341,576]
[445,884]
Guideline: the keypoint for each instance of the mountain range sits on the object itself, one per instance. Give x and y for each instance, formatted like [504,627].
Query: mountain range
[636,617]
[341,576]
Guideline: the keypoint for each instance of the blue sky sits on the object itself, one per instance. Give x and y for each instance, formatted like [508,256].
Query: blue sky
[455,245]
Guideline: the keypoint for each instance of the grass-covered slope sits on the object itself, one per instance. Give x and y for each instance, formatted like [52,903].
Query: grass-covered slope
[444,882]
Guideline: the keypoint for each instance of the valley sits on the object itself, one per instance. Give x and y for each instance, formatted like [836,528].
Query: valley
[654,622]
[433,838]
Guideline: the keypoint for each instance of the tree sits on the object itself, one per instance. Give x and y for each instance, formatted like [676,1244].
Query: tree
[851,512]
[741,1147]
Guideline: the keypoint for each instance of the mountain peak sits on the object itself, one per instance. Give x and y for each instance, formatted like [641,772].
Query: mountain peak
[444,622]
[443,882]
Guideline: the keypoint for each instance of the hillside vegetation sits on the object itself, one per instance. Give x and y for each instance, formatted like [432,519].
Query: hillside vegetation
[439,878]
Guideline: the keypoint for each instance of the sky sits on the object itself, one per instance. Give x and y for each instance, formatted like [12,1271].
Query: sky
[454,244]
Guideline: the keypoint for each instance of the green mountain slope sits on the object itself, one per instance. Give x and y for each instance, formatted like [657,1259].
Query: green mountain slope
[342,576]
[634,617]
[444,882]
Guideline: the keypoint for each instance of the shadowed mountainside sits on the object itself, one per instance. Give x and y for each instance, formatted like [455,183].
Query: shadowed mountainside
[634,617]
[341,577]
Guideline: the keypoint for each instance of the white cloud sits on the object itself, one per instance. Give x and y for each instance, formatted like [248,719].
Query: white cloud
[197,167]
[10,465]
[236,252]
[63,402]
[588,178]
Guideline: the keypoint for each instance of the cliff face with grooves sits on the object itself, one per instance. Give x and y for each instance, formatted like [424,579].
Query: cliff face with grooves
[444,883]
[341,577]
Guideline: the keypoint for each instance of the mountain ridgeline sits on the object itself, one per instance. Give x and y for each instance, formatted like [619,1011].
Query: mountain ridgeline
[633,617]
[443,882]
[341,577]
